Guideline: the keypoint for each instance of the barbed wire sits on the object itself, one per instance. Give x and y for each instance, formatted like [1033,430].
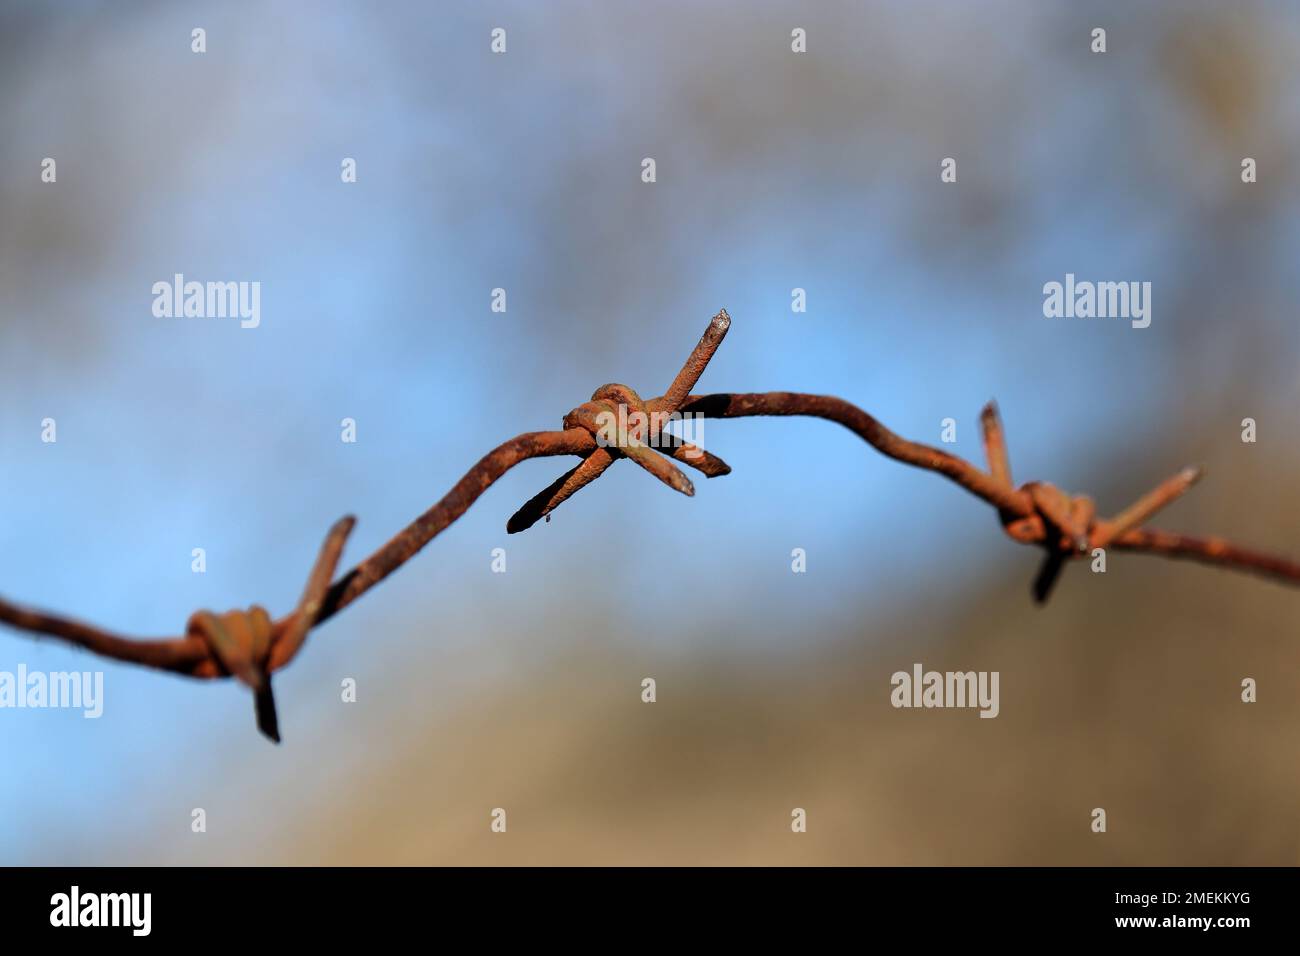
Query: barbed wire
[250,646]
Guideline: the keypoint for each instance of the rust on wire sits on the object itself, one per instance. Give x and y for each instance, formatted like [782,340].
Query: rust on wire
[250,646]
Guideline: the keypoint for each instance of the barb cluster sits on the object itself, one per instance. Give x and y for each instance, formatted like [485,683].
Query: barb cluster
[1067,525]
[250,646]
[634,441]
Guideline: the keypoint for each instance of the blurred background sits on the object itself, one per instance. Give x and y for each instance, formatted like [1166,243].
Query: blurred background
[775,171]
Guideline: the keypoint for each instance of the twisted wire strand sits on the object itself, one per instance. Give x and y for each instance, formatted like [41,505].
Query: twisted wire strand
[250,646]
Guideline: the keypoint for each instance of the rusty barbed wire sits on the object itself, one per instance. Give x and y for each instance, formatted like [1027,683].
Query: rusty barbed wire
[250,646]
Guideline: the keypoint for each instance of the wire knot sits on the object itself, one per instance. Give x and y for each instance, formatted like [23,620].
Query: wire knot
[626,426]
[241,642]
[249,646]
[1065,525]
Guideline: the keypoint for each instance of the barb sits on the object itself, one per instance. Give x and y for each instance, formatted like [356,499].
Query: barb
[616,424]
[653,415]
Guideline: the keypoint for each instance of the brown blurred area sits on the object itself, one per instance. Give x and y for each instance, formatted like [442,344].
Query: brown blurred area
[1123,693]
